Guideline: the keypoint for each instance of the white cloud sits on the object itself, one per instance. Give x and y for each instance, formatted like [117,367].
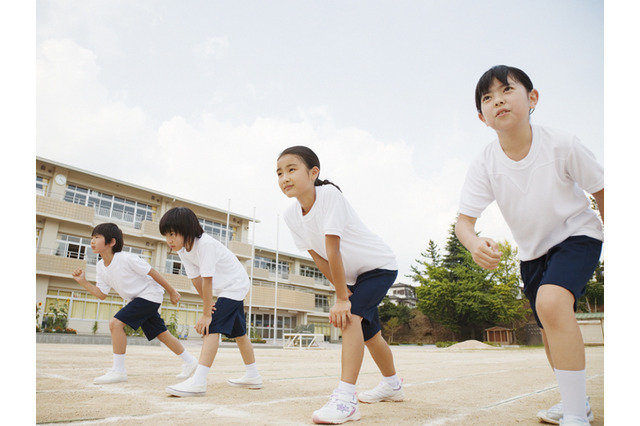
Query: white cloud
[406,193]
[77,116]
[212,47]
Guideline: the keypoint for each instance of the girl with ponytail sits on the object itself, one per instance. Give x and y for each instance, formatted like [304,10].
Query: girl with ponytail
[360,266]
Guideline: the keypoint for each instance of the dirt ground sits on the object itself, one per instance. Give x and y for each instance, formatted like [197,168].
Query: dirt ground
[459,386]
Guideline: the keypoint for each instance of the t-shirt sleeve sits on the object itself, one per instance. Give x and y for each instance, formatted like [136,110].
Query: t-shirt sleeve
[101,282]
[190,268]
[207,257]
[583,168]
[335,212]
[477,193]
[138,265]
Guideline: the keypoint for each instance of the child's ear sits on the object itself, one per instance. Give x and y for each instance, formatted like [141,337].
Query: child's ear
[481,117]
[112,243]
[534,96]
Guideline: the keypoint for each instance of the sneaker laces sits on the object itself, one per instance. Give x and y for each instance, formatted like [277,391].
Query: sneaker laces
[556,408]
[341,401]
[382,389]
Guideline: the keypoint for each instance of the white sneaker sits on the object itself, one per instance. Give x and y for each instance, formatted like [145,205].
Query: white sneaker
[188,369]
[554,414]
[247,382]
[341,408]
[574,421]
[187,388]
[112,376]
[382,392]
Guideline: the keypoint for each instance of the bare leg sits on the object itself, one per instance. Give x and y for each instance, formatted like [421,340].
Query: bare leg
[566,347]
[118,336]
[209,349]
[171,342]
[546,348]
[246,349]
[381,354]
[352,350]
[561,332]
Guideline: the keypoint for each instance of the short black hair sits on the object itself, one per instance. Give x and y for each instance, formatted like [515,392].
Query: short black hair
[110,231]
[183,221]
[501,73]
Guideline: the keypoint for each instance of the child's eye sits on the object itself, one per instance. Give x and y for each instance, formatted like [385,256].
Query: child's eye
[486,98]
[508,88]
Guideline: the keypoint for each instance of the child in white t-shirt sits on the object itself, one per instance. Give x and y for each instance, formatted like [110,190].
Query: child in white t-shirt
[142,287]
[214,271]
[538,177]
[360,266]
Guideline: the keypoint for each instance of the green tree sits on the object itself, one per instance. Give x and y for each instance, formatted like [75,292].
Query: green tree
[464,297]
[391,327]
[594,293]
[388,310]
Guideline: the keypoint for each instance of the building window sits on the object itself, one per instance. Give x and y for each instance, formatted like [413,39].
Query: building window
[322,303]
[76,195]
[313,272]
[217,230]
[173,265]
[323,328]
[145,254]
[186,313]
[270,265]
[75,248]
[80,248]
[84,306]
[262,325]
[42,185]
[109,206]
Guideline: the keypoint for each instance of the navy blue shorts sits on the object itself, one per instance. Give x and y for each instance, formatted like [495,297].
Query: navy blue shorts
[142,313]
[228,318]
[368,291]
[569,265]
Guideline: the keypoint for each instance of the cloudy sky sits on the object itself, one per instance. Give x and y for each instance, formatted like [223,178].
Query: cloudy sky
[197,98]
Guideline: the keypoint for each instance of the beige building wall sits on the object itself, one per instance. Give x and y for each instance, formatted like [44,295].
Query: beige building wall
[301,299]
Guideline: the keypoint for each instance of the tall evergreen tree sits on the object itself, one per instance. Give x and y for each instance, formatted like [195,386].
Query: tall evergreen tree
[464,297]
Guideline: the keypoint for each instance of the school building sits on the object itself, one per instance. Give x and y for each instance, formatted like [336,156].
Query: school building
[71,201]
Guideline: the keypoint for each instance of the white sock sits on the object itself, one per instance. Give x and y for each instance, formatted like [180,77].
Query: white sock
[573,391]
[200,376]
[252,370]
[347,388]
[393,381]
[118,362]
[186,356]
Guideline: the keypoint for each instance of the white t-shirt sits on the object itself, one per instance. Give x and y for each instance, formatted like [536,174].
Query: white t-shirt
[541,196]
[331,214]
[128,275]
[209,258]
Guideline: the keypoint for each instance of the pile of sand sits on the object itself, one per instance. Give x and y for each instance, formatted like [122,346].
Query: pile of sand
[472,344]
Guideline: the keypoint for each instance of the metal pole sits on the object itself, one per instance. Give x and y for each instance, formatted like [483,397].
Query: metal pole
[226,239]
[275,301]
[253,254]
